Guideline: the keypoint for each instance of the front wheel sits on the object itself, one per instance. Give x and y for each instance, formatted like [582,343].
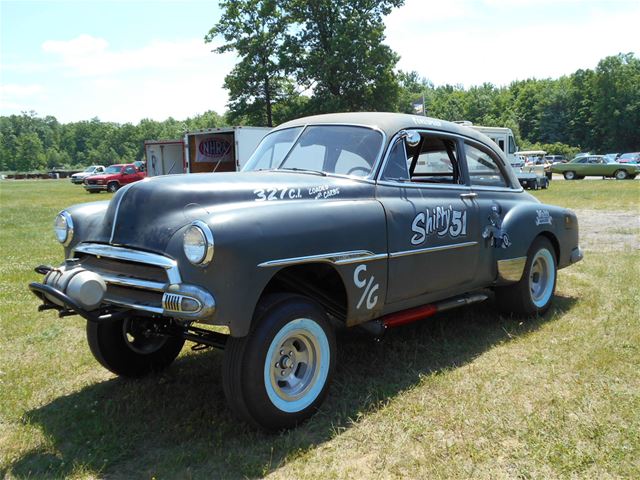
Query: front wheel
[130,347]
[621,174]
[569,175]
[113,187]
[277,376]
[532,295]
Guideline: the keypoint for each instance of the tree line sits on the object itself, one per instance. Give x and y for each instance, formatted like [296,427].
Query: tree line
[30,143]
[300,57]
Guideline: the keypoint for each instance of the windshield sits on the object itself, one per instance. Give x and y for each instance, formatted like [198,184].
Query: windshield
[89,169]
[113,169]
[272,150]
[339,149]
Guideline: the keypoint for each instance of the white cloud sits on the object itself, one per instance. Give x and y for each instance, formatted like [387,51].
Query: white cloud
[82,46]
[90,56]
[17,98]
[473,49]
[14,90]
[156,80]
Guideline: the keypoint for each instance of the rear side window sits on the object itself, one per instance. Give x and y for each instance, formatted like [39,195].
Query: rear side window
[484,169]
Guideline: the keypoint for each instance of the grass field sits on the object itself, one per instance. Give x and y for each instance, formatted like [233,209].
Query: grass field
[469,394]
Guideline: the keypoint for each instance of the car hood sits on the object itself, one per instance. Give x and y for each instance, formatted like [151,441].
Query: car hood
[102,176]
[146,214]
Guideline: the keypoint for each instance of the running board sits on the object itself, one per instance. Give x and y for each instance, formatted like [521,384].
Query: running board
[380,325]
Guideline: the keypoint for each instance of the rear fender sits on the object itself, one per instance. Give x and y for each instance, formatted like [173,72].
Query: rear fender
[524,223]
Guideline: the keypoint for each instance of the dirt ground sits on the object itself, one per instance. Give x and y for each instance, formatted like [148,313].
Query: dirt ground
[608,230]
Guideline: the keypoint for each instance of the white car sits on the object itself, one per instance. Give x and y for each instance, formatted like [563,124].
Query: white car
[79,177]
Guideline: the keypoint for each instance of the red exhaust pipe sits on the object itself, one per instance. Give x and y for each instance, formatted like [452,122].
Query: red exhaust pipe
[409,316]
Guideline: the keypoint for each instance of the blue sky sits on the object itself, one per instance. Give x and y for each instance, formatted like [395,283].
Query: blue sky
[126,60]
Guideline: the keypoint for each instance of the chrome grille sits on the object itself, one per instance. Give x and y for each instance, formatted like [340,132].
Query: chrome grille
[134,278]
[171,302]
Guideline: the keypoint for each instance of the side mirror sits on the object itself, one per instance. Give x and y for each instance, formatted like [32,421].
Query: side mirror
[411,137]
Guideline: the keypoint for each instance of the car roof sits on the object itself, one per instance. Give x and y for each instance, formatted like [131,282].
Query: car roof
[389,123]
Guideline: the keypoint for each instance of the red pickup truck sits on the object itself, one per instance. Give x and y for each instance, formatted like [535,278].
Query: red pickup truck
[113,178]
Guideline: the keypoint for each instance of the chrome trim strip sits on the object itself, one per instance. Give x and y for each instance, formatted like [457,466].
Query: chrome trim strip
[115,216]
[440,248]
[510,270]
[135,306]
[132,282]
[339,258]
[130,255]
[361,258]
[482,188]
[423,185]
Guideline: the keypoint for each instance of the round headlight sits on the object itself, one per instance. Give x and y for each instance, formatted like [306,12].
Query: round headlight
[198,243]
[63,228]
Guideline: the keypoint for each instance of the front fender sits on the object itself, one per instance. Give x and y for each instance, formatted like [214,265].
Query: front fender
[88,222]
[253,243]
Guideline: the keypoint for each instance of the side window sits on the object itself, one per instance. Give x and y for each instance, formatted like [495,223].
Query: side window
[396,167]
[501,144]
[512,145]
[129,170]
[483,168]
[436,162]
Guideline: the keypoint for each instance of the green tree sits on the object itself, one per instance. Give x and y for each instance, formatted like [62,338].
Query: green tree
[412,88]
[616,104]
[337,50]
[255,30]
[29,153]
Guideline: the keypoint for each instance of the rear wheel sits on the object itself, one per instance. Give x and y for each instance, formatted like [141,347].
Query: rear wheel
[130,348]
[569,175]
[278,375]
[621,174]
[532,295]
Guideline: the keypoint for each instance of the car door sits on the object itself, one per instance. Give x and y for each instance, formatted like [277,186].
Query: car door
[129,174]
[432,218]
[494,194]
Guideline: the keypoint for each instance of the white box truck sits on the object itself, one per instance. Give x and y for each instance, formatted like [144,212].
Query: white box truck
[224,149]
[503,137]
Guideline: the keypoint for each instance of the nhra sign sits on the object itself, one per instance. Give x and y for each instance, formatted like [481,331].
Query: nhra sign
[214,148]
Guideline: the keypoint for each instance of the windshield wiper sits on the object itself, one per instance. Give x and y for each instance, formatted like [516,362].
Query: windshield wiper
[304,170]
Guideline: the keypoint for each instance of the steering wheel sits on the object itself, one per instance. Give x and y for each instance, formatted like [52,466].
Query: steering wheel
[355,169]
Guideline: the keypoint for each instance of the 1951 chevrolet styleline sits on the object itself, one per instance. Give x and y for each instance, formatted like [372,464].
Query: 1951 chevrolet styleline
[370,219]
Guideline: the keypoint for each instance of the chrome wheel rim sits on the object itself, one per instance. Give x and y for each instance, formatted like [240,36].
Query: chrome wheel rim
[541,277]
[140,337]
[297,365]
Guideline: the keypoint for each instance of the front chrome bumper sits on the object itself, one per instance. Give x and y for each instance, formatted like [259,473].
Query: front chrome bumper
[95,188]
[146,282]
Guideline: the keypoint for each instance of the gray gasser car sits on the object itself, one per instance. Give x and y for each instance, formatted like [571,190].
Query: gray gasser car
[371,219]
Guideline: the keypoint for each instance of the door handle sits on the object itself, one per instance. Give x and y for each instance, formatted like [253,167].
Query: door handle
[468,196]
